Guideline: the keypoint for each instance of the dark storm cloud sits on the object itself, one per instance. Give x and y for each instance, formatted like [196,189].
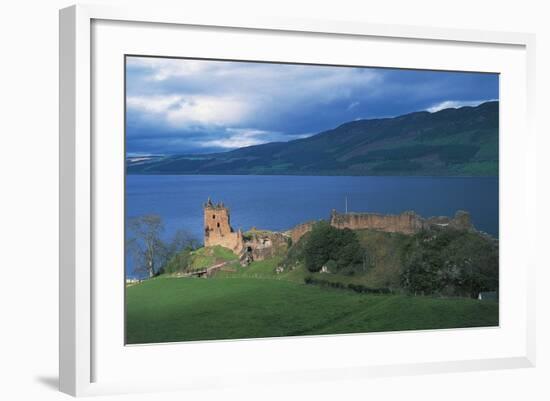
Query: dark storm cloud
[197,106]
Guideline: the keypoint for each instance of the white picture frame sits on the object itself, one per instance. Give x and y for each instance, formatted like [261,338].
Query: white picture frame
[82,344]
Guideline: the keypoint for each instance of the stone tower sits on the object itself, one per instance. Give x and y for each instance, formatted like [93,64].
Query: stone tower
[217,228]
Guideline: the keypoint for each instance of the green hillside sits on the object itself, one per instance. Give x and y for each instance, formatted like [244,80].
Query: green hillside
[171,309]
[426,280]
[451,142]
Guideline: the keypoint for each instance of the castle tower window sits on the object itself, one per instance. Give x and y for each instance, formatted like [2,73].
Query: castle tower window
[218,224]
[213,216]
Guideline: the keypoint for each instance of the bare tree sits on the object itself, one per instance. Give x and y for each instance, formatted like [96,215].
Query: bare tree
[181,240]
[148,250]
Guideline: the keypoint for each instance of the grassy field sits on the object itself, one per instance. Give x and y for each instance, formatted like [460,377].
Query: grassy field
[206,257]
[169,309]
[265,269]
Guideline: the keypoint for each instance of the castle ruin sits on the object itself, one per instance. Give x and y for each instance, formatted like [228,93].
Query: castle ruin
[262,244]
[405,223]
[255,245]
[217,228]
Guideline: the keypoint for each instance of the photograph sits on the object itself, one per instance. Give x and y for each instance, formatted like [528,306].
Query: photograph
[269,199]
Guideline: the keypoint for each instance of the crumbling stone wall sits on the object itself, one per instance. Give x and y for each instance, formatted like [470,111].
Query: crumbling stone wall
[262,244]
[218,230]
[461,221]
[297,232]
[406,223]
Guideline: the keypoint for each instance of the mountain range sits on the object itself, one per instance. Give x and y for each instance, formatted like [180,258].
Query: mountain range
[450,142]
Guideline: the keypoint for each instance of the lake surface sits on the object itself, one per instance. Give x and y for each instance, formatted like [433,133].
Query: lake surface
[281,202]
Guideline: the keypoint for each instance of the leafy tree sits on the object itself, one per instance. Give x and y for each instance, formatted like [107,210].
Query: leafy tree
[422,274]
[331,265]
[475,261]
[317,248]
[327,243]
[450,262]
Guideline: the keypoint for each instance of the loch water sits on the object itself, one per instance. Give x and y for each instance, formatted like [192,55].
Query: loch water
[281,202]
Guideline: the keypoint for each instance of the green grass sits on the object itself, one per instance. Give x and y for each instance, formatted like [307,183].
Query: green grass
[206,257]
[186,309]
[264,269]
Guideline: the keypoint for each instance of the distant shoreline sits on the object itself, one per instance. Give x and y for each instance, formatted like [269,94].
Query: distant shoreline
[315,175]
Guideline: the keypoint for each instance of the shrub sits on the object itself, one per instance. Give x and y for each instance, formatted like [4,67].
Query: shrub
[327,243]
[331,265]
[178,262]
[353,287]
[450,262]
[295,253]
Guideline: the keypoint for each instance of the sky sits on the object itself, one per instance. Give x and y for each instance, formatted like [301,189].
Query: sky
[191,106]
